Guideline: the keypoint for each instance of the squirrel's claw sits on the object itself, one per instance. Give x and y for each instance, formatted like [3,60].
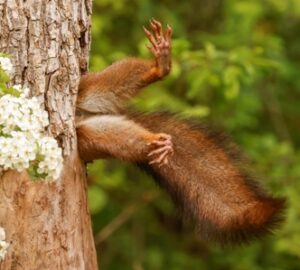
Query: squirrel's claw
[164,148]
[160,41]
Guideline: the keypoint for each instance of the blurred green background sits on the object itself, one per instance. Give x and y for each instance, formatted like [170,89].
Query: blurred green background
[236,65]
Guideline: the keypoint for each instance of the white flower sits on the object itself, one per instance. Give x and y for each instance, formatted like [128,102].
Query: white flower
[3,249]
[23,143]
[18,151]
[3,245]
[24,91]
[6,64]
[52,161]
[2,234]
[20,113]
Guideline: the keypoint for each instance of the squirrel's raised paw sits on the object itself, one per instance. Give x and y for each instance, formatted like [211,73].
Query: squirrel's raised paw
[160,46]
[163,149]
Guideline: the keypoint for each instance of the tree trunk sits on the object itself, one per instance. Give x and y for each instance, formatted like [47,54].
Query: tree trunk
[48,224]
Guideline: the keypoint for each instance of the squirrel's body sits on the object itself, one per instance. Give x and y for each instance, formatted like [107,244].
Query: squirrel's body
[204,176]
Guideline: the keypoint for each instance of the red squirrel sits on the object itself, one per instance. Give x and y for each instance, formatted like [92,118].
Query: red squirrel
[202,172]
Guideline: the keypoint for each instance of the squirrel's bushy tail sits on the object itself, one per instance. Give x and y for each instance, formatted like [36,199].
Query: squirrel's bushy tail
[208,181]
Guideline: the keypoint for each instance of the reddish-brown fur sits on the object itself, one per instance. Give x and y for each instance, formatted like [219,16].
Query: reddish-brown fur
[116,136]
[202,172]
[208,181]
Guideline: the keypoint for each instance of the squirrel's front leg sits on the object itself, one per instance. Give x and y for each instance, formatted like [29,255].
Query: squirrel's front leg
[104,92]
[116,136]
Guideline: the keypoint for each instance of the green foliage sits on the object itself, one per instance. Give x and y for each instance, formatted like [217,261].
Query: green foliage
[235,65]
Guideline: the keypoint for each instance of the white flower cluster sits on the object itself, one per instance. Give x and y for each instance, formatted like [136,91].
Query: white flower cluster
[3,244]
[6,64]
[51,158]
[23,143]
[23,91]
[22,114]
[17,151]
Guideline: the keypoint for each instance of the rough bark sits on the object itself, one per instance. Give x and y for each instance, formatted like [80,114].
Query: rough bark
[48,224]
